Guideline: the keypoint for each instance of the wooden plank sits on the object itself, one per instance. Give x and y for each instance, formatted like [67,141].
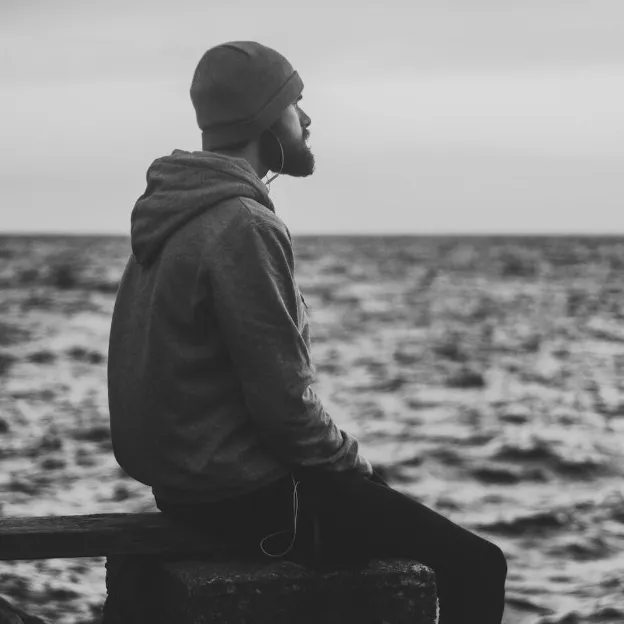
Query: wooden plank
[98,535]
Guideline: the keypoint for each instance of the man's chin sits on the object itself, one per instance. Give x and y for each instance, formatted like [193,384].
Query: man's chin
[300,164]
[300,173]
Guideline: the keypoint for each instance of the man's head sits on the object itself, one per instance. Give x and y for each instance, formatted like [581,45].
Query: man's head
[246,94]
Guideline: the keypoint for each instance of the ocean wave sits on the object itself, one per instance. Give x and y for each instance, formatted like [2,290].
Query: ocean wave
[530,524]
[582,548]
[508,474]
[534,449]
[563,460]
[602,615]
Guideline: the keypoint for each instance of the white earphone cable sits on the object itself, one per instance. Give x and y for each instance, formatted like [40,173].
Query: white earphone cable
[268,182]
[295,517]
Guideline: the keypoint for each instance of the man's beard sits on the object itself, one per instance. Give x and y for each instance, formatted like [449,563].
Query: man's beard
[298,159]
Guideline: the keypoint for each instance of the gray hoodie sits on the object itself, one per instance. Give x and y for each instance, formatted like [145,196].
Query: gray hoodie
[209,370]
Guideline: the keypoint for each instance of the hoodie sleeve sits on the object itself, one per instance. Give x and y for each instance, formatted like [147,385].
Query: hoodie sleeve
[256,302]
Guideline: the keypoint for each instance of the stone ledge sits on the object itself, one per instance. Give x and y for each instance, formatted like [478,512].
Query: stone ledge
[145,589]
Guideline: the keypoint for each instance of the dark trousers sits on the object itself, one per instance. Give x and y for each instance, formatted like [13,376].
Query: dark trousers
[344,520]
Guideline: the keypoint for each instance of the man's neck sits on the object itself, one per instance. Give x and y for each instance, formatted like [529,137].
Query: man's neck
[250,153]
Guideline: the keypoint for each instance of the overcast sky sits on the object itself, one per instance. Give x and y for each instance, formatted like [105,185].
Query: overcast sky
[461,116]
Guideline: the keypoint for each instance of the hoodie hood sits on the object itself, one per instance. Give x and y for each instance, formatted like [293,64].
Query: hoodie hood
[180,187]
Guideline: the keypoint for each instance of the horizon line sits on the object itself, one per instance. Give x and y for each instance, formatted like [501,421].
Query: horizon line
[439,234]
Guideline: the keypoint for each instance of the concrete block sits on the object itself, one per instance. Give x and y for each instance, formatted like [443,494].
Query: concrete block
[148,589]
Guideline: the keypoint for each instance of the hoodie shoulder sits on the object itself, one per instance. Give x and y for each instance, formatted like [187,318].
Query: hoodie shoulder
[253,211]
[228,221]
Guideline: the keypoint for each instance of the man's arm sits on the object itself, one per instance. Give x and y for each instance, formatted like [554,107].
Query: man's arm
[255,297]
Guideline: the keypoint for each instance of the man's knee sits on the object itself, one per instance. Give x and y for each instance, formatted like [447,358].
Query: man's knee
[496,562]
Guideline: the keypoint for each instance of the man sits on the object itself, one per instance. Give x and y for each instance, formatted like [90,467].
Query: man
[210,375]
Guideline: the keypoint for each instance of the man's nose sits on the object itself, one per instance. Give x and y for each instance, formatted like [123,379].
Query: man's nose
[305,120]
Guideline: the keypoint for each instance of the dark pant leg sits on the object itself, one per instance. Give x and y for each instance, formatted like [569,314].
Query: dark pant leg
[360,518]
[244,520]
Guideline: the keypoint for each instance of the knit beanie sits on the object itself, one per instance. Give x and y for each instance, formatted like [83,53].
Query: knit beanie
[239,90]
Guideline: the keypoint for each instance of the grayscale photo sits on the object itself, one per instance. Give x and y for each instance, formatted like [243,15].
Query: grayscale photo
[312,313]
